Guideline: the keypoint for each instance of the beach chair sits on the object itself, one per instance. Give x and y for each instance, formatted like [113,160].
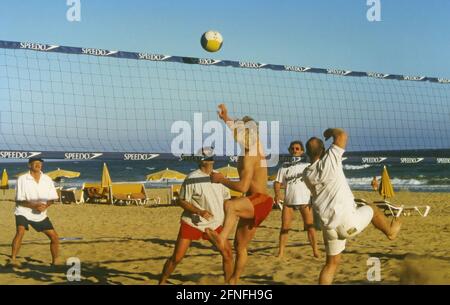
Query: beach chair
[395,210]
[150,200]
[138,199]
[175,193]
[422,210]
[94,193]
[122,193]
[132,193]
[58,191]
[69,196]
[388,209]
[143,199]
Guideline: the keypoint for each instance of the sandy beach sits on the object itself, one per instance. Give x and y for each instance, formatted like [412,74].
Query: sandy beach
[129,245]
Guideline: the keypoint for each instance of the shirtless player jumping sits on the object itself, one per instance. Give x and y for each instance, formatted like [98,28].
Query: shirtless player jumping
[248,211]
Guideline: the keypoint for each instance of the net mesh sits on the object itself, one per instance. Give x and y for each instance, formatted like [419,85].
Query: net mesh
[73,102]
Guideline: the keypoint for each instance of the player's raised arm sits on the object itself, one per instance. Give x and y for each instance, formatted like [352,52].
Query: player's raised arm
[339,135]
[223,115]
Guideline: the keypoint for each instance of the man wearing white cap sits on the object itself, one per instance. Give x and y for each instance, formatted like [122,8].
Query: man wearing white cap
[202,202]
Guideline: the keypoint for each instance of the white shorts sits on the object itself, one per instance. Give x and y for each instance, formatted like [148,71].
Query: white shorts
[335,239]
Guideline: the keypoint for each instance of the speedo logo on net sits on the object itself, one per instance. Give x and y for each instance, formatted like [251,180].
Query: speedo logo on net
[97,52]
[153,57]
[18,154]
[37,46]
[252,136]
[411,160]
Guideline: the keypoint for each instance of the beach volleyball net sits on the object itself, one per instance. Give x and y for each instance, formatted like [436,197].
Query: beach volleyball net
[72,103]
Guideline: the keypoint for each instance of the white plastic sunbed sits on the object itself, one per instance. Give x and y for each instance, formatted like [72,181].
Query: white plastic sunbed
[422,210]
[395,210]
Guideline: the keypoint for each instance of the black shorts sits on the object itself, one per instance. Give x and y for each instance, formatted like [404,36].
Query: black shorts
[39,226]
[295,207]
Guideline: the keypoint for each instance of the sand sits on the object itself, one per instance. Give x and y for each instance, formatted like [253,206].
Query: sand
[129,245]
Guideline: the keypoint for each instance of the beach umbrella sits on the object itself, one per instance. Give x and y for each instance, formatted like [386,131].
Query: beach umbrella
[229,172]
[385,189]
[106,181]
[4,184]
[61,173]
[166,175]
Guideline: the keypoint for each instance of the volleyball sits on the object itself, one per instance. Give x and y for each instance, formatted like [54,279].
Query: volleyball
[211,41]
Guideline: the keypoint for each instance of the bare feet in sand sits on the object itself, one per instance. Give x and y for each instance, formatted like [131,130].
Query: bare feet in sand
[316,254]
[232,281]
[14,263]
[280,254]
[216,239]
[395,228]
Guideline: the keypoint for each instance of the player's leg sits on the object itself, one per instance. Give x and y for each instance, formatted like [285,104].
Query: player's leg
[227,261]
[381,222]
[181,247]
[17,242]
[308,224]
[328,271]
[286,219]
[54,244]
[234,209]
[333,248]
[244,234]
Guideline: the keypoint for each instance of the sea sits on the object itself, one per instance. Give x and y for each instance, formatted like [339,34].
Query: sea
[404,177]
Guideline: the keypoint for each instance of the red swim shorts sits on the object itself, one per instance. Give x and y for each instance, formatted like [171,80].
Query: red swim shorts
[189,232]
[262,204]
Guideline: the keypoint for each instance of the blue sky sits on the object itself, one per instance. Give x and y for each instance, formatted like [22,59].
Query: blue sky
[412,37]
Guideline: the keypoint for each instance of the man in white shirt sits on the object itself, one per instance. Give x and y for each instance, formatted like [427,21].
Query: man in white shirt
[333,201]
[35,192]
[202,202]
[297,197]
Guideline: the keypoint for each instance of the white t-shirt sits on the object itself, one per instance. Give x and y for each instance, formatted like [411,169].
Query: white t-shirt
[27,189]
[291,175]
[331,195]
[198,190]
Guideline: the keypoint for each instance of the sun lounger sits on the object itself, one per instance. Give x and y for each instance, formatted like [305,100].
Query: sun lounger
[175,193]
[134,198]
[422,210]
[124,199]
[132,193]
[388,208]
[395,210]
[122,193]
[93,193]
[69,196]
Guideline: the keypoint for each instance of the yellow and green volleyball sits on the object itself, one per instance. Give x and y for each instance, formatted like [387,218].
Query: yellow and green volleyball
[211,41]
